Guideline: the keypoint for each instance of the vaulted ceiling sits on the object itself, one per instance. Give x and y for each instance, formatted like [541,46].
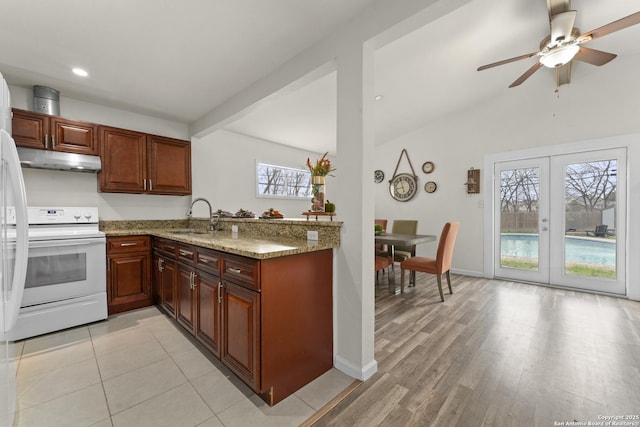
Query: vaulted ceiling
[179,60]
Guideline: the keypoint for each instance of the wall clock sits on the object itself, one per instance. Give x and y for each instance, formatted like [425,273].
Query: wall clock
[378,176]
[428,167]
[403,186]
[430,187]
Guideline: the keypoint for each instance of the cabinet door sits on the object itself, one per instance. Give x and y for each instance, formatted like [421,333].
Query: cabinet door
[240,349]
[30,129]
[156,278]
[128,281]
[208,311]
[168,287]
[169,165]
[74,137]
[124,160]
[164,270]
[185,296]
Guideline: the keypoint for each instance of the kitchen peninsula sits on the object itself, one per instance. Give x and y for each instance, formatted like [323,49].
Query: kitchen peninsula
[260,299]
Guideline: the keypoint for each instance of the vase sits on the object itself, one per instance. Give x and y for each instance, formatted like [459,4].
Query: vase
[318,192]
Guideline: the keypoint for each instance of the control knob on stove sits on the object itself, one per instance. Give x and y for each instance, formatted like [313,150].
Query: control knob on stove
[87,215]
[77,216]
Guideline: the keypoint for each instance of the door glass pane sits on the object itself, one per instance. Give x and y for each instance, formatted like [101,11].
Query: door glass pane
[519,212]
[590,213]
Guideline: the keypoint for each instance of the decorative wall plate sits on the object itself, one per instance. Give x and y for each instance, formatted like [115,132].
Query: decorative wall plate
[430,187]
[428,167]
[378,176]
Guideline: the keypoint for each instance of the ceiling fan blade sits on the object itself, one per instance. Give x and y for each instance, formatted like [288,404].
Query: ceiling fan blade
[612,27]
[506,61]
[562,25]
[563,74]
[557,6]
[526,75]
[593,56]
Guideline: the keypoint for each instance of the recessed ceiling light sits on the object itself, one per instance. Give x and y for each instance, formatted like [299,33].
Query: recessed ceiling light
[378,97]
[80,72]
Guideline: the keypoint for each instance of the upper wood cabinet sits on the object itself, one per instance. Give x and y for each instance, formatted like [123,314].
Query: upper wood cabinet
[135,162]
[44,132]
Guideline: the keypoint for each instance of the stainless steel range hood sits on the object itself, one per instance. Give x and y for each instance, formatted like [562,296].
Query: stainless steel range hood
[57,160]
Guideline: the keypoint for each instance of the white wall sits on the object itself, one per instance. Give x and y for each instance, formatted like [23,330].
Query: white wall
[224,172]
[59,188]
[530,116]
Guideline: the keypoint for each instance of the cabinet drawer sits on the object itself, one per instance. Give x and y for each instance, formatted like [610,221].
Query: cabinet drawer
[168,247]
[243,271]
[207,260]
[186,254]
[124,244]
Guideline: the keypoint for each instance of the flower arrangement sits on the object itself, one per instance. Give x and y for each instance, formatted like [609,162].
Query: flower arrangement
[322,167]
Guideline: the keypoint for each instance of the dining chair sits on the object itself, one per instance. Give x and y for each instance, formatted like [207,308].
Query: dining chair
[404,226]
[438,266]
[381,248]
[401,253]
[382,263]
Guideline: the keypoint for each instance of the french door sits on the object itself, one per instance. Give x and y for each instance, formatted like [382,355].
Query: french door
[560,220]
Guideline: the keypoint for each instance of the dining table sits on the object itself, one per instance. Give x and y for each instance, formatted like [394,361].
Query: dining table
[395,239]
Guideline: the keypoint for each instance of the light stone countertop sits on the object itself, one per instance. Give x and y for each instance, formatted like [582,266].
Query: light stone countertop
[235,243]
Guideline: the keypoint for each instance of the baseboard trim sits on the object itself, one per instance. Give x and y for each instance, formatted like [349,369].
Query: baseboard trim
[353,371]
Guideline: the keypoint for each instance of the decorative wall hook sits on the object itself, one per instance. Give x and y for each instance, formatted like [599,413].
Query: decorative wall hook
[473,181]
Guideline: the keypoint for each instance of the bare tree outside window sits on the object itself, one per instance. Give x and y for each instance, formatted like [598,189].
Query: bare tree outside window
[592,186]
[282,182]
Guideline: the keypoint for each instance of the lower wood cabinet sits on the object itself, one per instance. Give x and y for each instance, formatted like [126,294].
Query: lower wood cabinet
[128,273]
[207,325]
[270,321]
[241,332]
[186,296]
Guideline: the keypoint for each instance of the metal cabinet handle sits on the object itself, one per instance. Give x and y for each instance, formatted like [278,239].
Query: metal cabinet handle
[220,292]
[144,184]
[234,270]
[206,259]
[122,245]
[53,141]
[192,280]
[160,267]
[185,253]
[150,185]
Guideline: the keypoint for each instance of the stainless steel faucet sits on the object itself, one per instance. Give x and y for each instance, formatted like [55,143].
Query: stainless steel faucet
[213,219]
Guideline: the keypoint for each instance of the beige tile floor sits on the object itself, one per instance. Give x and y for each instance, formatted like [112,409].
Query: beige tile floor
[138,369]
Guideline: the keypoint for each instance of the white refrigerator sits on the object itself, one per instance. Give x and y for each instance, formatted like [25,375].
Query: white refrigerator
[13,252]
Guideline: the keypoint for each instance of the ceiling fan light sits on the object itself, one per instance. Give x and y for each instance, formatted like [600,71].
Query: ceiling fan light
[559,56]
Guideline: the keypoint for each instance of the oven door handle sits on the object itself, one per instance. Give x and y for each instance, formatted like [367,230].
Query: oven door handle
[66,242]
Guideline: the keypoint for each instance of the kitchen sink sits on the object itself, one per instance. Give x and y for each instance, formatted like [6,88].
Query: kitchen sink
[187,232]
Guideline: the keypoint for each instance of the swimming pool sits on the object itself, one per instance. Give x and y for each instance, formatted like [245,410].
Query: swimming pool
[577,249]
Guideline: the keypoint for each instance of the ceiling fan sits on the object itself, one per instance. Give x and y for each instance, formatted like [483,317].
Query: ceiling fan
[565,43]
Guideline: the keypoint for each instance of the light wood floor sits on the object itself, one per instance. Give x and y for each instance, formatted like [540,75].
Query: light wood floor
[497,353]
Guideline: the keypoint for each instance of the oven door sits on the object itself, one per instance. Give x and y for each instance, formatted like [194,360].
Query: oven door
[62,269]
